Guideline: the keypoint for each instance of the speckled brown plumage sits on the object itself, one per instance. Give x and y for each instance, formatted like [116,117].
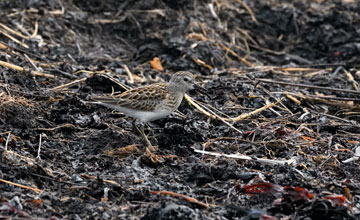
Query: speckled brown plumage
[151,102]
[144,98]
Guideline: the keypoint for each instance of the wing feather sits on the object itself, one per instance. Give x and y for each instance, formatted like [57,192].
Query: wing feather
[144,98]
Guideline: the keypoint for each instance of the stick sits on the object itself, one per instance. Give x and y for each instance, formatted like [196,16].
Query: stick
[127,70]
[235,119]
[242,59]
[14,39]
[97,177]
[248,9]
[187,198]
[290,96]
[7,141]
[220,118]
[35,30]
[22,186]
[351,79]
[27,159]
[14,32]
[38,152]
[3,46]
[308,86]
[67,125]
[269,93]
[19,68]
[291,161]
[31,62]
[69,84]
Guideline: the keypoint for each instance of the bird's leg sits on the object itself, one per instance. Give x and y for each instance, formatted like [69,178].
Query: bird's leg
[151,133]
[141,132]
[144,137]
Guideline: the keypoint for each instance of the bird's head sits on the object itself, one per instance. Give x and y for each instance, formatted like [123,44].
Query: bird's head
[184,81]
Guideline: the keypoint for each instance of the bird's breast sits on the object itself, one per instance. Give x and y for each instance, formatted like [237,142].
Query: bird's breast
[172,101]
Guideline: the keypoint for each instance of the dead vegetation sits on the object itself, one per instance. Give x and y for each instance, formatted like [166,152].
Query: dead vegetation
[277,135]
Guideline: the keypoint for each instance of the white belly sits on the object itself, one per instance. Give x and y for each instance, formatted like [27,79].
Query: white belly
[143,116]
[149,116]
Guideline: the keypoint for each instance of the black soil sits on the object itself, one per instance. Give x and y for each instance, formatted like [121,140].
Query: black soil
[65,158]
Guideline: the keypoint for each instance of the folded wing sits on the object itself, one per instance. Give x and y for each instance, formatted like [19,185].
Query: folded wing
[144,98]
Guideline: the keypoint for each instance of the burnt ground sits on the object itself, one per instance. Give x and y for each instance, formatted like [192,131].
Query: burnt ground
[91,165]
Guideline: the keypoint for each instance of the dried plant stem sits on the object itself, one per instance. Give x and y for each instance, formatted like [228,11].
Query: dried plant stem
[308,86]
[22,186]
[21,69]
[235,119]
[69,84]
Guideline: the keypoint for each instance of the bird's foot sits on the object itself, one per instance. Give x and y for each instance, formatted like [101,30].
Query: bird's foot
[152,148]
[145,138]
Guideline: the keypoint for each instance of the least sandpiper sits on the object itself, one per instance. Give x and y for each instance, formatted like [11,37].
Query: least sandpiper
[151,102]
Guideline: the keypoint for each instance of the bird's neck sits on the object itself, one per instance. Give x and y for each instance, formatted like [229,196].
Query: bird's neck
[176,89]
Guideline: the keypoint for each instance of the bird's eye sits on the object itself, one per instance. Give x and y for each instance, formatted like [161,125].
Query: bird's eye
[186,79]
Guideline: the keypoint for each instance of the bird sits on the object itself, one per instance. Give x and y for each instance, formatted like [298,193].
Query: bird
[151,102]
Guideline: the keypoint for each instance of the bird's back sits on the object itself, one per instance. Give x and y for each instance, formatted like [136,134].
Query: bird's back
[144,98]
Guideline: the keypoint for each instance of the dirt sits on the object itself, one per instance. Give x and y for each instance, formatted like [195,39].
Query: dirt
[65,158]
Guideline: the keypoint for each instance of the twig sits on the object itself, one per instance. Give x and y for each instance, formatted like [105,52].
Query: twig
[218,117]
[248,9]
[216,110]
[355,157]
[198,61]
[14,39]
[212,11]
[212,141]
[242,59]
[353,123]
[15,51]
[308,86]
[69,84]
[67,125]
[104,180]
[115,81]
[193,103]
[269,93]
[235,119]
[291,161]
[14,32]
[69,75]
[7,141]
[290,96]
[341,101]
[39,149]
[57,12]
[187,198]
[19,68]
[22,186]
[249,114]
[27,159]
[31,62]
[35,30]
[351,79]
[127,70]
[273,110]
[3,46]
